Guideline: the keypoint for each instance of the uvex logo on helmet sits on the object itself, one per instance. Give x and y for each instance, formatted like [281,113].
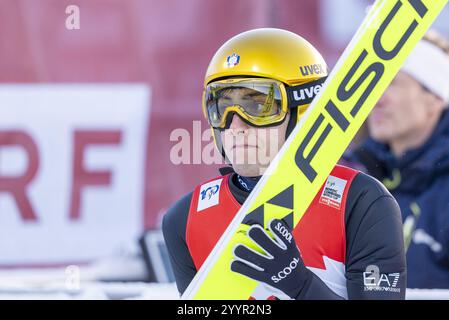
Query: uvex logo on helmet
[312,69]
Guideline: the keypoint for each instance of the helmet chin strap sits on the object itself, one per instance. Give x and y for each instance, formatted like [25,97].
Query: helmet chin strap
[291,122]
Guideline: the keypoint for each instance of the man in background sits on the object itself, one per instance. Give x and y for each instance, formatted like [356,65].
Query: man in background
[408,150]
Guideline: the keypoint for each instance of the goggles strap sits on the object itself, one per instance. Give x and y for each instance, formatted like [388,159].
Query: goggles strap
[294,94]
[304,93]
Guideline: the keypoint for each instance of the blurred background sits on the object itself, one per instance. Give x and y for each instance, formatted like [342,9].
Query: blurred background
[87,111]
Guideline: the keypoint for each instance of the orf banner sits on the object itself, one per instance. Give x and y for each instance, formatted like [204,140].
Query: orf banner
[71,171]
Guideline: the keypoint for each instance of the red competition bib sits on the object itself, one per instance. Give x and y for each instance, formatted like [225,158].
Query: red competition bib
[320,234]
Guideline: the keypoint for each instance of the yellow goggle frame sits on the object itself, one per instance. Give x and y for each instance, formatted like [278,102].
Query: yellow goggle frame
[249,83]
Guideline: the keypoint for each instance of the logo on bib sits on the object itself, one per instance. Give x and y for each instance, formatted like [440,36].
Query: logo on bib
[333,192]
[209,194]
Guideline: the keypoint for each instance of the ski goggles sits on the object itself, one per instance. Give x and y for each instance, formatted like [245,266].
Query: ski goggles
[260,102]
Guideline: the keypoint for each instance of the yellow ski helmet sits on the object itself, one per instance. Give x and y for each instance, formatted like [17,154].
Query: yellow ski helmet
[293,65]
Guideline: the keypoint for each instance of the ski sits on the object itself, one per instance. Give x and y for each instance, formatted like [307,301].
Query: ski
[375,54]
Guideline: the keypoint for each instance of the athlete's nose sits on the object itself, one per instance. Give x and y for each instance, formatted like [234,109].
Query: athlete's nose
[238,123]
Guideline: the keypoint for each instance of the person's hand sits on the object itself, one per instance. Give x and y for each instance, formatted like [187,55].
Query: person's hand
[281,265]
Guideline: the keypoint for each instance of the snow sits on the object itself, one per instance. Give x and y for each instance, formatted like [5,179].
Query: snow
[52,284]
[119,277]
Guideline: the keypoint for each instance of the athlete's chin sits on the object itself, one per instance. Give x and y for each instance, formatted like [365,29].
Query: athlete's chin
[249,162]
[243,156]
[249,170]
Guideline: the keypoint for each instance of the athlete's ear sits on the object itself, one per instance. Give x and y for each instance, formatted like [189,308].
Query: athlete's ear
[433,103]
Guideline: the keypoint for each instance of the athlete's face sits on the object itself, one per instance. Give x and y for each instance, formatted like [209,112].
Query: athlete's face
[251,149]
[403,110]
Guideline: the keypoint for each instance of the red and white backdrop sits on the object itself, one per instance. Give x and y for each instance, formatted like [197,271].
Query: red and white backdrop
[86,114]
[71,162]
